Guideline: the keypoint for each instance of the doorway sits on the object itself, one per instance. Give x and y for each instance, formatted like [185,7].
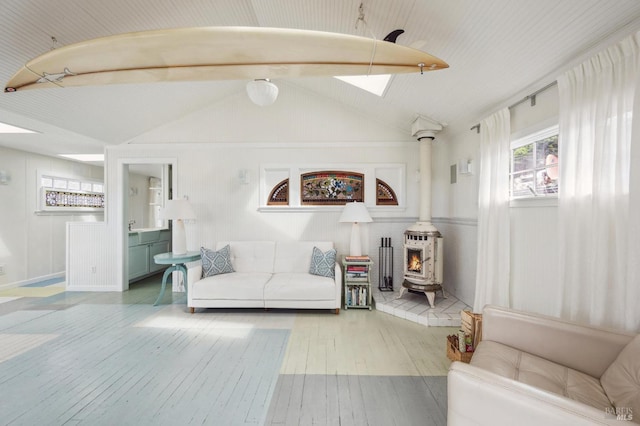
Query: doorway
[146,185]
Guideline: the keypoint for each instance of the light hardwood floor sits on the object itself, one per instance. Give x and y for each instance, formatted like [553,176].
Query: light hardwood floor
[115,359]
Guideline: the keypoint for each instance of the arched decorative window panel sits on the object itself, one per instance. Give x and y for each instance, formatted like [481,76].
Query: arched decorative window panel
[279,195]
[385,196]
[331,188]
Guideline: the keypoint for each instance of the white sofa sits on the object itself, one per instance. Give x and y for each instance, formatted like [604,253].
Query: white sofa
[267,274]
[537,370]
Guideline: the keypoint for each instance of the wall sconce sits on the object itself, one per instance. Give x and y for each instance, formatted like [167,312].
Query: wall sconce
[244,176]
[464,167]
[5,177]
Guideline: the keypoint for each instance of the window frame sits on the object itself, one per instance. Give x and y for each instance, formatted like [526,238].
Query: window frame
[532,136]
[72,186]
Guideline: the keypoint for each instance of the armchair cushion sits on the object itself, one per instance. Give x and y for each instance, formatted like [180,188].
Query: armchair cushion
[621,381]
[540,373]
[532,369]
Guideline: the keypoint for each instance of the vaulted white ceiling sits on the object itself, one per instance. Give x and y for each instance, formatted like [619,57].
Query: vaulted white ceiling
[495,49]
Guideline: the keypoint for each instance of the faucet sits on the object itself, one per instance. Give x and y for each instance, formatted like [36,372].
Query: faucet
[131,222]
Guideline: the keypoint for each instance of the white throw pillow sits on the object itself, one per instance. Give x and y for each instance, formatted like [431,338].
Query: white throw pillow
[621,381]
[216,262]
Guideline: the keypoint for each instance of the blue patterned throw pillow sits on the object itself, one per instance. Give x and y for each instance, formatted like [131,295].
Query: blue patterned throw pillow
[323,264]
[216,262]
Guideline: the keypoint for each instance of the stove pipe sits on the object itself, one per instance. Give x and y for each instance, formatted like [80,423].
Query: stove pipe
[425,131]
[423,248]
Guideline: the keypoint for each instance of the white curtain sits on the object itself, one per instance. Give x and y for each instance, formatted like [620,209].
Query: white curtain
[492,279]
[597,273]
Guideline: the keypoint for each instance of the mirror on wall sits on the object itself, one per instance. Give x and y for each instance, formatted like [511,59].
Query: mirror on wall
[148,188]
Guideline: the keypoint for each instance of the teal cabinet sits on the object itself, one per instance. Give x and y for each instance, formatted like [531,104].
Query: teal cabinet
[138,261]
[157,248]
[143,245]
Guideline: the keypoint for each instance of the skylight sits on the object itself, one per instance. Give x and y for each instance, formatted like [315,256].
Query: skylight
[8,128]
[84,157]
[375,84]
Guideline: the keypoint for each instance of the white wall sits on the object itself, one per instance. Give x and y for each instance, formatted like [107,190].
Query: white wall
[208,149]
[533,248]
[139,201]
[32,246]
[227,209]
[455,211]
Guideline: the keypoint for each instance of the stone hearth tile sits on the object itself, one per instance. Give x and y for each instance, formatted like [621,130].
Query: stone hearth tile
[415,308]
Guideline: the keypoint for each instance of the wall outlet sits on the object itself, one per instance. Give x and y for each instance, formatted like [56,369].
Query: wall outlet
[93,269]
[2,270]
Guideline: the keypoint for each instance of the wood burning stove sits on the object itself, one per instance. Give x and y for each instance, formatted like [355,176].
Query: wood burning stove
[423,244]
[423,264]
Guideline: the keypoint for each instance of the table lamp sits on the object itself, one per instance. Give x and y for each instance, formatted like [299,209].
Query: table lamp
[178,210]
[355,212]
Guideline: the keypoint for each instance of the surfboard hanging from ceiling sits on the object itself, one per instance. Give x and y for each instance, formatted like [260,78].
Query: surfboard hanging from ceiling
[218,53]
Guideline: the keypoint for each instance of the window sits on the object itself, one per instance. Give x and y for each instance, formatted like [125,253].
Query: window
[534,165]
[69,194]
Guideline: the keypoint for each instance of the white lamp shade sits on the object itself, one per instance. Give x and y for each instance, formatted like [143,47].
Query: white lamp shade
[355,212]
[178,209]
[262,92]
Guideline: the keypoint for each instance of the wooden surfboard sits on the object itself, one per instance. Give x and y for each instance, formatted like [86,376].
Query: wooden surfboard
[217,53]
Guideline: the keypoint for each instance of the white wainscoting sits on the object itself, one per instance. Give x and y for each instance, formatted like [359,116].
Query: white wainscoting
[534,259]
[89,264]
[460,253]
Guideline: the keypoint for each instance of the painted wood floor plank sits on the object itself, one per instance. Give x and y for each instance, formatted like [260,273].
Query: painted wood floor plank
[294,409]
[438,388]
[416,403]
[116,359]
[183,378]
[267,384]
[53,381]
[277,414]
[356,403]
[258,364]
[129,372]
[358,400]
[202,393]
[332,396]
[124,402]
[313,398]
[15,344]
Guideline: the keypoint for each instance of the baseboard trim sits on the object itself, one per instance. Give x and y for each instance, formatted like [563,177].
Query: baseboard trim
[32,280]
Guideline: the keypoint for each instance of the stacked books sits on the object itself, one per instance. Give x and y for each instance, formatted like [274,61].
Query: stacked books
[363,258]
[357,272]
[357,296]
[357,280]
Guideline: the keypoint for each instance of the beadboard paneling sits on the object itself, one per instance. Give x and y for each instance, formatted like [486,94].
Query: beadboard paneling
[534,259]
[32,245]
[227,209]
[460,252]
[89,263]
